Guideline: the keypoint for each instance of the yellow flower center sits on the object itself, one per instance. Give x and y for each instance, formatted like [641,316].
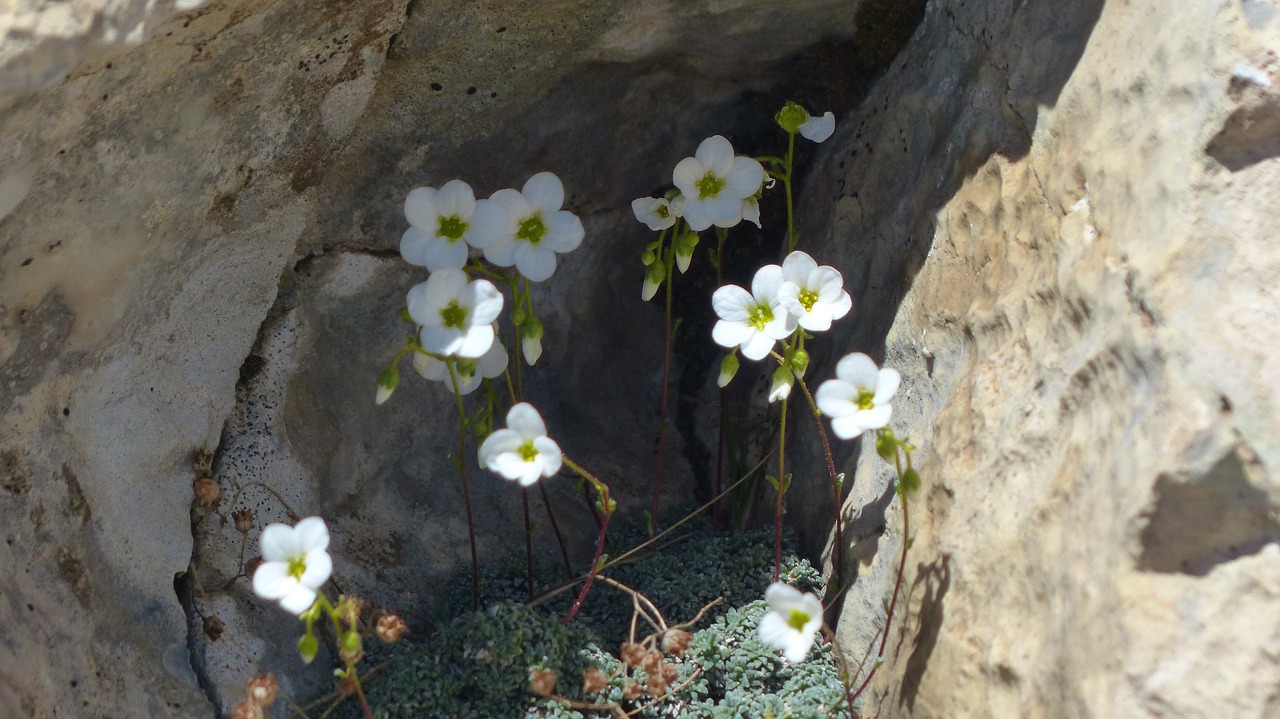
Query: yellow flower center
[454,315]
[527,451]
[663,211]
[807,298]
[452,228]
[865,397]
[709,186]
[797,619]
[297,567]
[758,316]
[532,229]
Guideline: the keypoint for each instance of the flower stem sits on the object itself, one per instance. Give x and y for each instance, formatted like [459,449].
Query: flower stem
[668,259]
[466,485]
[786,184]
[606,506]
[837,547]
[528,542]
[555,527]
[781,490]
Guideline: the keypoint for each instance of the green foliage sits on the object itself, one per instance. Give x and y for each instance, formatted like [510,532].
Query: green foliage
[477,664]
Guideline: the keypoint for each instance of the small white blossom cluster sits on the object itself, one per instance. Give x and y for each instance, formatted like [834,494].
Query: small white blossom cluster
[457,315]
[792,622]
[295,563]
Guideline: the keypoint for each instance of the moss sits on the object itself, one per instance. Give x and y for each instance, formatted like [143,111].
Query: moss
[478,664]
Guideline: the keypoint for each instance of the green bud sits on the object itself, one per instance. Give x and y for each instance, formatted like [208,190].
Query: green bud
[388,380]
[799,362]
[910,482]
[653,276]
[886,445]
[531,329]
[518,316]
[791,117]
[687,242]
[351,642]
[307,648]
[648,257]
[466,366]
[728,368]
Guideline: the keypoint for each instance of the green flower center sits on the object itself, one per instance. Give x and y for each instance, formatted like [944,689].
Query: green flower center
[709,186]
[864,400]
[532,230]
[797,619]
[527,451]
[758,316]
[808,299]
[663,211]
[452,228]
[297,567]
[454,316]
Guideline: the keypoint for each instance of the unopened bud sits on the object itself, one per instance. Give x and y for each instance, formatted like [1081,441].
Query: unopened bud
[390,627]
[675,641]
[594,681]
[799,362]
[648,257]
[542,682]
[247,709]
[791,117]
[653,276]
[243,519]
[728,368]
[782,381]
[352,649]
[349,610]
[388,380]
[886,445]
[207,491]
[262,690]
[910,481]
[307,648]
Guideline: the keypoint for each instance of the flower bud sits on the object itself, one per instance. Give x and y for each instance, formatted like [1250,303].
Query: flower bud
[207,491]
[782,381]
[542,682]
[349,610]
[675,641]
[886,445]
[799,362]
[653,276]
[684,246]
[518,316]
[791,117]
[390,627]
[388,380]
[307,648]
[648,257]
[594,681]
[243,519]
[262,690]
[728,368]
[352,648]
[910,481]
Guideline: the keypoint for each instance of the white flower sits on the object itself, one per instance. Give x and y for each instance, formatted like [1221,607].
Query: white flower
[818,128]
[456,315]
[440,226]
[522,452]
[793,620]
[781,387]
[658,213]
[527,228]
[815,295]
[858,400]
[752,320]
[491,364]
[294,563]
[714,183]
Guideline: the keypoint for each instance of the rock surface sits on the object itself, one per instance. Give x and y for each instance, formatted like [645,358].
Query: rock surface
[1056,224]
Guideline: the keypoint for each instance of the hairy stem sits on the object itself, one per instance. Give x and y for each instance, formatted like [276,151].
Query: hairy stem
[466,485]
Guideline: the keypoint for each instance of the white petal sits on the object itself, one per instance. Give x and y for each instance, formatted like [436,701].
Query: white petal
[774,631]
[841,305]
[797,266]
[416,299]
[493,218]
[443,287]
[440,340]
[847,427]
[319,566]
[858,370]
[564,232]
[765,284]
[311,534]
[751,211]
[819,128]
[500,442]
[299,600]
[732,303]
[876,417]
[485,301]
[716,155]
[530,474]
[646,210]
[731,334]
[725,210]
[544,191]
[475,341]
[782,596]
[523,418]
[494,362]
[550,454]
[531,347]
[456,199]
[780,390]
[757,348]
[686,175]
[413,245]
[271,580]
[430,367]
[886,384]
[502,253]
[441,254]
[799,647]
[535,263]
[510,465]
[836,398]
[682,261]
[817,319]
[782,324]
[420,209]
[698,214]
[648,289]
[745,179]
[277,543]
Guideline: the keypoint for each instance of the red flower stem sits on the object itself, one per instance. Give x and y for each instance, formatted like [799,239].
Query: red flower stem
[555,526]
[606,505]
[837,547]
